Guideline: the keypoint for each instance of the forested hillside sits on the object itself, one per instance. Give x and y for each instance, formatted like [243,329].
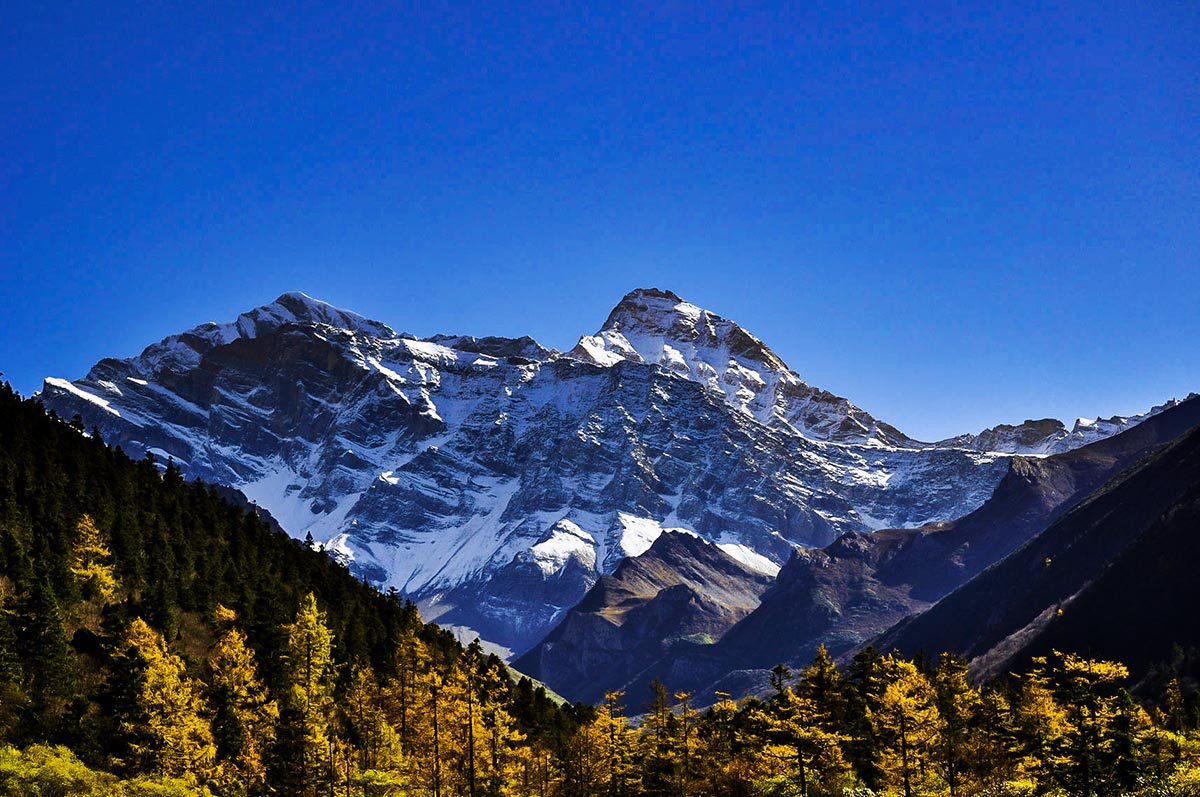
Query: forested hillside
[157,630]
[157,640]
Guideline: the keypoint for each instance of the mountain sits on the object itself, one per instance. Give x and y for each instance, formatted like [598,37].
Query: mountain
[163,633]
[860,585]
[1112,578]
[495,480]
[682,588]
[658,327]
[1051,436]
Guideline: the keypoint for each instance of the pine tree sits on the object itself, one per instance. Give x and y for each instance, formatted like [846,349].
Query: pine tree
[865,684]
[14,702]
[958,703]
[50,663]
[821,683]
[660,754]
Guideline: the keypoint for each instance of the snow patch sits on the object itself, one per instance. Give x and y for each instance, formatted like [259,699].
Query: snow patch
[63,384]
[750,558]
[639,533]
[566,541]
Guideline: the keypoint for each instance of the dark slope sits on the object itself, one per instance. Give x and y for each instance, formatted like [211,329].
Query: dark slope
[862,584]
[682,588]
[179,548]
[1121,566]
[1033,493]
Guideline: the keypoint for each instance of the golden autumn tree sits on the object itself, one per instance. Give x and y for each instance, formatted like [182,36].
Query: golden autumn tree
[1089,688]
[308,702]
[405,695]
[802,747]
[377,760]
[244,716]
[1041,723]
[620,746]
[167,731]
[906,720]
[91,562]
[503,735]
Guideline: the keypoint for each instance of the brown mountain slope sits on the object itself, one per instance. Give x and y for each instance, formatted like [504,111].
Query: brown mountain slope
[682,588]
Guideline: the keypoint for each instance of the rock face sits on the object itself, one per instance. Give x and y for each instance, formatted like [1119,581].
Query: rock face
[494,480]
[1115,577]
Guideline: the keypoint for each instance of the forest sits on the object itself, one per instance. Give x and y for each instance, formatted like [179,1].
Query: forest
[156,639]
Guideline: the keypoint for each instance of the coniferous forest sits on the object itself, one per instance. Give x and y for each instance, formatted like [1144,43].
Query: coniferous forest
[156,639]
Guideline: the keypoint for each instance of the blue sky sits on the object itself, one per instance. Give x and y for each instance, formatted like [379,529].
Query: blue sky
[955,215]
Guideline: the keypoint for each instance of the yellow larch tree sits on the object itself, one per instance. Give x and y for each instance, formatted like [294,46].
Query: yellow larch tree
[244,716]
[308,703]
[906,721]
[168,732]
[91,562]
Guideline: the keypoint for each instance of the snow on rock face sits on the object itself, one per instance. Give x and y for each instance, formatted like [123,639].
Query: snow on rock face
[498,479]
[565,541]
[657,327]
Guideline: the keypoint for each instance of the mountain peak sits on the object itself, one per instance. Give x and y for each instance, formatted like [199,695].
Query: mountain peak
[658,327]
[654,325]
[643,301]
[298,307]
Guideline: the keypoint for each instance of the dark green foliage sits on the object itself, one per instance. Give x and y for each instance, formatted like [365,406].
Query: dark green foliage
[178,549]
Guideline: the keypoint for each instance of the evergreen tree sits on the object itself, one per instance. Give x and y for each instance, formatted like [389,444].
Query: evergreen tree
[958,704]
[50,664]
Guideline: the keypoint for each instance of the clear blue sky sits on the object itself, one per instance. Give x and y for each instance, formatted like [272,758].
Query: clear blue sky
[955,216]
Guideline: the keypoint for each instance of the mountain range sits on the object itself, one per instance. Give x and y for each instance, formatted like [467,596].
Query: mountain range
[848,593]
[500,483]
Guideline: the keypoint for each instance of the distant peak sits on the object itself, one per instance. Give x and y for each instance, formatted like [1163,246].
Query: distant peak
[646,319]
[299,307]
[652,293]
[647,304]
[304,307]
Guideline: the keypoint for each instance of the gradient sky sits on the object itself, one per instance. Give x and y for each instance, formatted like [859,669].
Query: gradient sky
[954,215]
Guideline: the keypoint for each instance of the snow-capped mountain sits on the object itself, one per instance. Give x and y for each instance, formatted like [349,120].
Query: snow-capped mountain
[495,480]
[658,327]
[1050,436]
